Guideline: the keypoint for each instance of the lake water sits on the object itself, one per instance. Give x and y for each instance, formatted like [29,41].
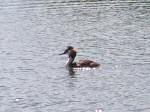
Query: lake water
[33,77]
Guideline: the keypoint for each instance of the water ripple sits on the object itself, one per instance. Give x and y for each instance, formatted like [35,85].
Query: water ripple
[68,4]
[113,33]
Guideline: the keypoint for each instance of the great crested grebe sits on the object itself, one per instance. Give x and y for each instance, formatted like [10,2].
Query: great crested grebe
[82,63]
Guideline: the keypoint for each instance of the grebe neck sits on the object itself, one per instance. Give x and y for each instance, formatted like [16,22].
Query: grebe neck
[70,61]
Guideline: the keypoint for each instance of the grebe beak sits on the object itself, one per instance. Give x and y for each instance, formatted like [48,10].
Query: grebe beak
[61,53]
[64,52]
[67,50]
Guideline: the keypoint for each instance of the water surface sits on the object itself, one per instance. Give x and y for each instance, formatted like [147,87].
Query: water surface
[33,77]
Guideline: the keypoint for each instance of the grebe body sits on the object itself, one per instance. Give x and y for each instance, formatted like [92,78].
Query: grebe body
[81,63]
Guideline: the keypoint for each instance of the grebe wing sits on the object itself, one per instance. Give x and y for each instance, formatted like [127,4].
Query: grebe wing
[87,63]
[84,63]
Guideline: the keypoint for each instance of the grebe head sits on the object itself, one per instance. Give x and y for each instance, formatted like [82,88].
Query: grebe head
[67,50]
[71,55]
